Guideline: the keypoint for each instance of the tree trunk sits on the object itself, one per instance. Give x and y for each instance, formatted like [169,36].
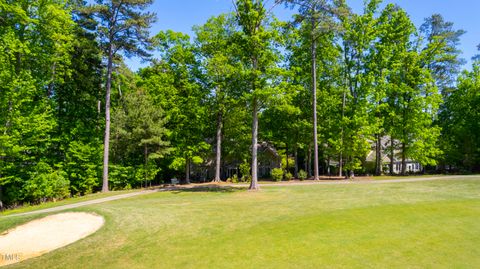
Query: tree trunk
[145,152]
[314,102]
[306,163]
[187,170]
[219,147]
[296,162]
[404,160]
[106,142]
[378,156]
[340,161]
[310,161]
[254,183]
[328,166]
[286,156]
[340,165]
[392,155]
[1,198]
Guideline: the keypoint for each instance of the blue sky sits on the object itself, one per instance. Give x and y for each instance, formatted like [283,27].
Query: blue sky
[181,15]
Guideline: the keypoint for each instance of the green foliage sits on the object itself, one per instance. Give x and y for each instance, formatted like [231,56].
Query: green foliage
[46,184]
[83,167]
[288,176]
[233,179]
[139,128]
[277,174]
[460,122]
[258,40]
[122,177]
[147,173]
[302,175]
[440,51]
[123,25]
[245,172]
[174,85]
[36,40]
[378,78]
[138,140]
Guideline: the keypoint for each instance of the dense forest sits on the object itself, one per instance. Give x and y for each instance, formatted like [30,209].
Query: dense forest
[328,86]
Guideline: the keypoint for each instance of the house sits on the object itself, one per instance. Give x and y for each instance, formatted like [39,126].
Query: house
[412,166]
[267,156]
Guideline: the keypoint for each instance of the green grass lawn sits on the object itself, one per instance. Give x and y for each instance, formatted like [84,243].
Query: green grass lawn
[386,177]
[28,208]
[434,224]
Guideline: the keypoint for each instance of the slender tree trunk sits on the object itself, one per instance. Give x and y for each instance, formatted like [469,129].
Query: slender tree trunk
[286,156]
[145,153]
[340,161]
[1,197]
[340,165]
[392,155]
[323,161]
[254,184]
[378,156]
[187,170]
[219,147]
[328,166]
[314,102]
[310,161]
[404,160]
[106,142]
[306,163]
[296,162]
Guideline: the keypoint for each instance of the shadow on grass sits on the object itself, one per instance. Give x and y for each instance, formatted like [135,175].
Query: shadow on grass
[209,188]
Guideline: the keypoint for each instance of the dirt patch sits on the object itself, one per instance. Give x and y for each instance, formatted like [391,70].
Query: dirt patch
[43,235]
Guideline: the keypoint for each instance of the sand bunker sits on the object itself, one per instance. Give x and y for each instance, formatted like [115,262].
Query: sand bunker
[46,234]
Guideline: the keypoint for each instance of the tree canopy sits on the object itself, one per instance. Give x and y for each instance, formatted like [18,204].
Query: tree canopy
[329,92]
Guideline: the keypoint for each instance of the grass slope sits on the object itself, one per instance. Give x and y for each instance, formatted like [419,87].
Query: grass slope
[88,197]
[433,224]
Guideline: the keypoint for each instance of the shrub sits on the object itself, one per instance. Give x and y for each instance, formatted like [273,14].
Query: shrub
[233,179]
[46,184]
[277,174]
[145,174]
[121,177]
[302,175]
[245,171]
[288,176]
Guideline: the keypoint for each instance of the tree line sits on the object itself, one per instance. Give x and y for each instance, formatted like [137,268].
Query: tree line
[328,86]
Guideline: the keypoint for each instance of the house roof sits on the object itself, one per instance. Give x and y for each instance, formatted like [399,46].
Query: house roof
[385,142]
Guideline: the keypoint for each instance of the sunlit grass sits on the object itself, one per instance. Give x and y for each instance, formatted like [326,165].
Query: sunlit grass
[50,204]
[434,224]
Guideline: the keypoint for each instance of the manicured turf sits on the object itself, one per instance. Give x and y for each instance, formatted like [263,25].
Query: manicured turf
[29,208]
[387,177]
[434,224]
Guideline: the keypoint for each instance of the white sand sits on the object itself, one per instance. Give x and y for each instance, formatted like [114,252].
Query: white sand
[46,234]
